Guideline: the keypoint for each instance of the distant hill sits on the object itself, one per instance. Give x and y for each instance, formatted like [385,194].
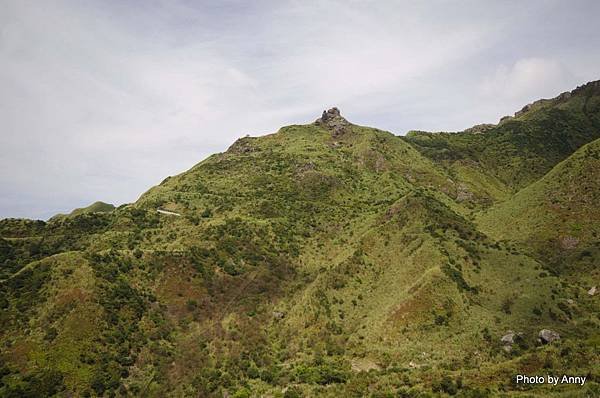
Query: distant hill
[326,259]
[520,149]
[96,207]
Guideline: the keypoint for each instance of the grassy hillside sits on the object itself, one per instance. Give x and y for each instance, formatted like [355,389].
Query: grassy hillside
[326,259]
[96,207]
[521,149]
[557,217]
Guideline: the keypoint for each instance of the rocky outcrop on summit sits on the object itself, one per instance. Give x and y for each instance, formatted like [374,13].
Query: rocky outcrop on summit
[333,120]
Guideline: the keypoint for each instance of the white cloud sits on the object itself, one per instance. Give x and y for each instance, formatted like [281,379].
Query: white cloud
[100,100]
[526,78]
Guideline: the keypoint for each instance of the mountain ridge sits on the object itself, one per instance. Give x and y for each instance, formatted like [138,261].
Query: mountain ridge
[325,259]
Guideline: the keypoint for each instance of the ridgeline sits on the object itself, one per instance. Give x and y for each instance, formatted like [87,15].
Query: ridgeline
[326,259]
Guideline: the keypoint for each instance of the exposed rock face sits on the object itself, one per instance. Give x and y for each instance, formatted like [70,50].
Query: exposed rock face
[333,120]
[480,128]
[564,96]
[592,87]
[330,114]
[242,146]
[548,336]
[463,193]
[524,110]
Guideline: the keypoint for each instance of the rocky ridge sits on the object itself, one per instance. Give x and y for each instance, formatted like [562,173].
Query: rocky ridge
[334,121]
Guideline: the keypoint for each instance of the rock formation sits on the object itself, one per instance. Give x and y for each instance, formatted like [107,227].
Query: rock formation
[548,336]
[333,120]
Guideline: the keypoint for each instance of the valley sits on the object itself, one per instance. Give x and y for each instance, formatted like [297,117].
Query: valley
[326,259]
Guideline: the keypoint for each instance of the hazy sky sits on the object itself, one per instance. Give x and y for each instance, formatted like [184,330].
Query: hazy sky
[100,100]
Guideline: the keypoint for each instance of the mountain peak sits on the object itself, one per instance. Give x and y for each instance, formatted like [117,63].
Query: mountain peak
[404,254]
[592,88]
[331,114]
[332,119]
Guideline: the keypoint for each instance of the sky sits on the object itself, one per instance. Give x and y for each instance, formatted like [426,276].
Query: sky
[100,100]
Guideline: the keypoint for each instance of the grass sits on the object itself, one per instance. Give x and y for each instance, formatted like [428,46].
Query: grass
[308,265]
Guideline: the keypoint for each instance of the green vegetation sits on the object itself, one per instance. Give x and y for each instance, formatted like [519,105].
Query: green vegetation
[324,260]
[96,207]
[519,150]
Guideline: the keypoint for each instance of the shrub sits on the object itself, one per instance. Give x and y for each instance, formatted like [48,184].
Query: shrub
[322,374]
[293,392]
[507,305]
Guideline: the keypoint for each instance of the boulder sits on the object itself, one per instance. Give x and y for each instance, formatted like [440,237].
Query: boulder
[413,365]
[330,114]
[278,315]
[592,291]
[548,336]
[509,338]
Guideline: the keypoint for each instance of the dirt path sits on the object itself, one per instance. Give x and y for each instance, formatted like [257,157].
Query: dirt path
[170,213]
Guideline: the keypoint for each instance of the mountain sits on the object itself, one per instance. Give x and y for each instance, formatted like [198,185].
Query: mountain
[96,207]
[326,259]
[520,149]
[557,216]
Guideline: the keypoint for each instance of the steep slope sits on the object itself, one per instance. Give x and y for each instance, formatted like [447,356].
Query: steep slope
[557,216]
[520,149]
[289,265]
[419,280]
